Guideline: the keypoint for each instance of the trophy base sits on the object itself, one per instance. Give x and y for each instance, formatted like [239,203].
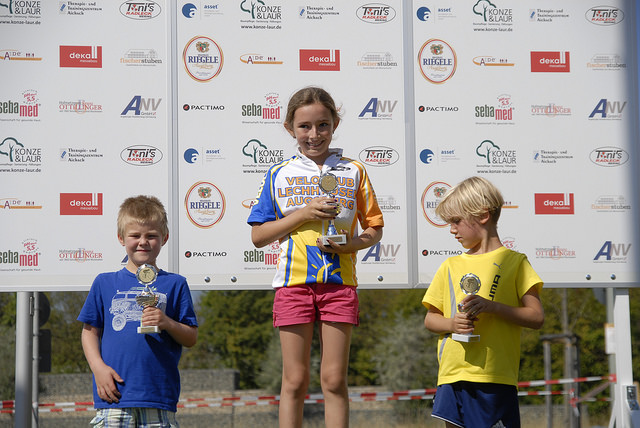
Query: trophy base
[148,329]
[465,337]
[338,239]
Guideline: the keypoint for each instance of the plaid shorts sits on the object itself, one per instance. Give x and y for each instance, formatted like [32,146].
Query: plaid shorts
[134,417]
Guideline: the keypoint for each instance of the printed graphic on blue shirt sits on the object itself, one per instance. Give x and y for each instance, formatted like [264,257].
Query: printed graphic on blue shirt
[124,307]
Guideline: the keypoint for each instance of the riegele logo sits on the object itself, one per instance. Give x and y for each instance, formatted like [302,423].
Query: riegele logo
[319,59]
[81,56]
[80,203]
[550,62]
[554,203]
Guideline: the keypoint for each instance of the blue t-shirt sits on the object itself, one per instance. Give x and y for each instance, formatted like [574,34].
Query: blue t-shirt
[148,363]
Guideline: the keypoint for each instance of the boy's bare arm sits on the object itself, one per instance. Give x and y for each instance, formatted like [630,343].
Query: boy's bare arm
[186,335]
[104,375]
[435,322]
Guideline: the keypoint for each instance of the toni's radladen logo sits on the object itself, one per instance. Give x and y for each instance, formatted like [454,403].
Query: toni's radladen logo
[205,204]
[379,156]
[437,61]
[141,155]
[203,58]
[140,10]
[431,197]
[375,13]
[604,15]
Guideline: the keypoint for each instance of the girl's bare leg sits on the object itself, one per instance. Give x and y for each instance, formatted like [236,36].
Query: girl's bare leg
[295,341]
[335,339]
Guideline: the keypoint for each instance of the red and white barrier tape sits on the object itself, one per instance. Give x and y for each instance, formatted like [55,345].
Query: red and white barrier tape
[7,406]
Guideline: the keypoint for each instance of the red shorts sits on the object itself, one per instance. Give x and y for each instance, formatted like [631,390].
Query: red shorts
[307,303]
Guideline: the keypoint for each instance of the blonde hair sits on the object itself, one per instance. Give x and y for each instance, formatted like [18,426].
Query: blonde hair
[307,96]
[142,210]
[471,197]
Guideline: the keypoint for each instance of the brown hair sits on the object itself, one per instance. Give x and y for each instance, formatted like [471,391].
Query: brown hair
[143,210]
[307,96]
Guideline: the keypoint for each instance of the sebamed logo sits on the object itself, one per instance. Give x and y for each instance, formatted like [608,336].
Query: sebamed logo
[606,62]
[609,156]
[79,154]
[140,10]
[141,155]
[81,56]
[604,15]
[551,156]
[19,158]
[611,203]
[437,61]
[255,259]
[140,58]
[375,13]
[18,55]
[377,61]
[554,203]
[612,252]
[140,107]
[608,110]
[555,253]
[495,159]
[205,204]
[431,197]
[379,156]
[19,204]
[493,61]
[550,110]
[25,108]
[260,59]
[382,254]
[261,156]
[80,203]
[79,255]
[319,60]
[492,17]
[267,112]
[378,109]
[26,259]
[550,62]
[499,113]
[202,59]
[80,107]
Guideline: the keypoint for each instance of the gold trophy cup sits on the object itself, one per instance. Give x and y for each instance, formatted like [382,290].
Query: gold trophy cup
[328,184]
[146,276]
[470,284]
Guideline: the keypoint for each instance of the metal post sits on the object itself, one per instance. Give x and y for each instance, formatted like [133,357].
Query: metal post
[546,346]
[23,359]
[35,360]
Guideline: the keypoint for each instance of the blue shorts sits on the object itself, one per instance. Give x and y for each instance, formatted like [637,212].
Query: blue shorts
[477,405]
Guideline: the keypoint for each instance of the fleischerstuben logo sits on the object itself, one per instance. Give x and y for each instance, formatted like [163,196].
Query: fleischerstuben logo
[550,62]
[319,60]
[81,56]
[80,203]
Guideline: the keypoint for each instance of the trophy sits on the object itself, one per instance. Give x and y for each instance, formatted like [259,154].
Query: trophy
[146,276]
[470,284]
[328,184]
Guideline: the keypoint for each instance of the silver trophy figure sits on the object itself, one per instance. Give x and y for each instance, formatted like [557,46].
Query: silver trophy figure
[470,284]
[328,184]
[146,276]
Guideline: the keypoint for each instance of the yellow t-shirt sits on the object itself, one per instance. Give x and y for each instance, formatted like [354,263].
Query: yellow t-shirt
[505,276]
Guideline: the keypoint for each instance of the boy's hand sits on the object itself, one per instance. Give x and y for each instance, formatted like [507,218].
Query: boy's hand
[463,323]
[106,384]
[154,316]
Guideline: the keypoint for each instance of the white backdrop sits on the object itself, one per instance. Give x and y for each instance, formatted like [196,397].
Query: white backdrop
[185,100]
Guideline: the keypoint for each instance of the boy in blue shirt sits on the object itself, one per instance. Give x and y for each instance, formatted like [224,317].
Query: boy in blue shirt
[136,378]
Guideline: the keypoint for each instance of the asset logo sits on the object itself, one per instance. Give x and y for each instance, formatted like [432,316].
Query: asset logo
[385,254]
[140,107]
[499,113]
[203,58]
[423,13]
[378,109]
[80,203]
[18,157]
[267,112]
[25,109]
[427,156]
[140,10]
[606,62]
[604,15]
[609,156]
[140,58]
[377,61]
[260,59]
[555,253]
[611,203]
[81,56]
[319,59]
[375,13]
[608,110]
[611,252]
[207,9]
[189,10]
[81,107]
[197,155]
[550,62]
[204,204]
[79,255]
[379,156]
[554,203]
[18,204]
[17,55]
[431,197]
[492,61]
[550,110]
[437,61]
[141,155]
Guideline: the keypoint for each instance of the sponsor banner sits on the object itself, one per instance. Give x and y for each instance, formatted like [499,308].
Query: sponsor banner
[204,204]
[554,203]
[81,56]
[80,203]
[550,62]
[319,60]
[437,61]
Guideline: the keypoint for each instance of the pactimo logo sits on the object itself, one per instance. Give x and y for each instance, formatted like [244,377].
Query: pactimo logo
[319,59]
[81,56]
[554,203]
[189,254]
[141,107]
[550,62]
[201,107]
[80,203]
